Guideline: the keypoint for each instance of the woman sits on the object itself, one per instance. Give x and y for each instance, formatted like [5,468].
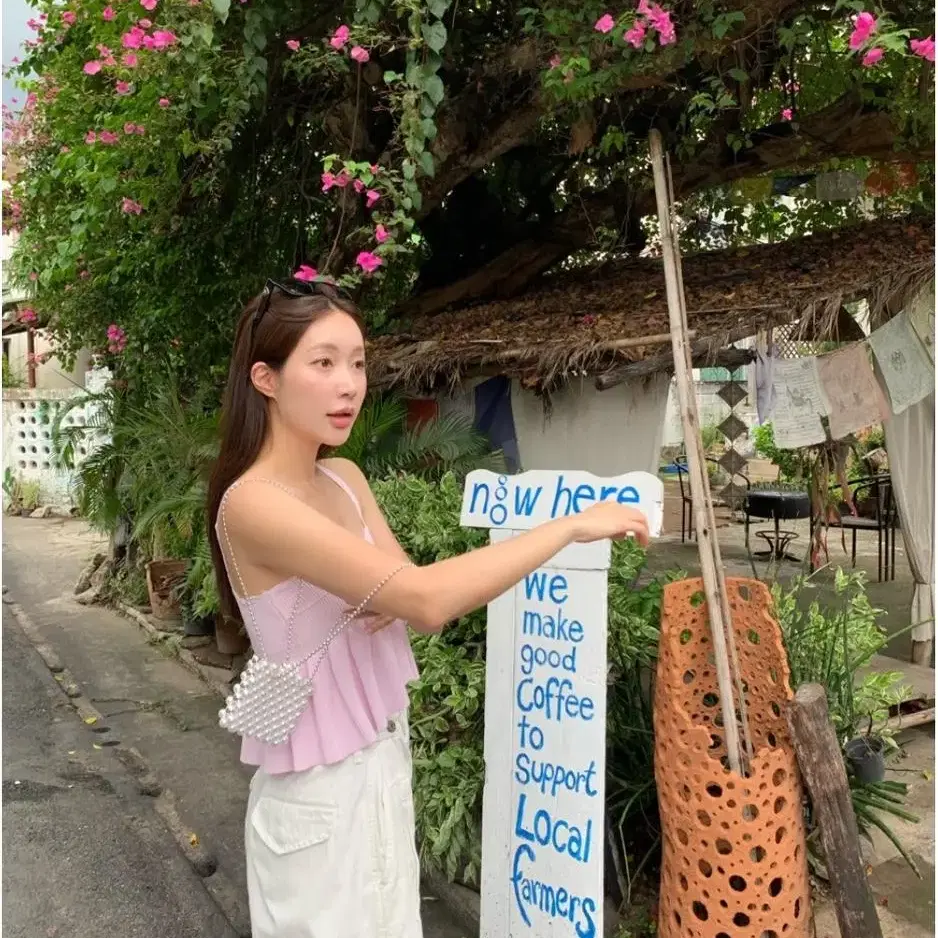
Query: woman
[329,831]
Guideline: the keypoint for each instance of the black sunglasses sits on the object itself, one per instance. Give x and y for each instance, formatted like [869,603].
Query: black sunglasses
[295,289]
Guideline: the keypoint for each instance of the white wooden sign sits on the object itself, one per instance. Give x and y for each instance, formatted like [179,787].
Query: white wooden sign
[545,708]
[520,502]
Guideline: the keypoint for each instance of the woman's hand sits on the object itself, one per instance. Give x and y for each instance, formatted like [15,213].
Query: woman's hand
[608,519]
[372,621]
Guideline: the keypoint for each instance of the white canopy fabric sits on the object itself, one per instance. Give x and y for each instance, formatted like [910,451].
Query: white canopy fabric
[910,443]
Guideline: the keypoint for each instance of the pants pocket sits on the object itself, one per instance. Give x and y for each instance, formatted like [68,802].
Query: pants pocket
[286,827]
[292,867]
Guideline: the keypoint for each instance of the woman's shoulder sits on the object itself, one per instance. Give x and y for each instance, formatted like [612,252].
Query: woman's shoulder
[349,473]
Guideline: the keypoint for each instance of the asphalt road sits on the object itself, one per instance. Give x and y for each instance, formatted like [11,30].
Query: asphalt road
[84,855]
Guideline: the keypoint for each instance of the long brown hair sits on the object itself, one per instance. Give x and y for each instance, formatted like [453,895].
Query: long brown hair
[268,331]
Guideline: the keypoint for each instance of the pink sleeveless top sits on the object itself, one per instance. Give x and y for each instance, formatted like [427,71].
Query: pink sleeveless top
[361,682]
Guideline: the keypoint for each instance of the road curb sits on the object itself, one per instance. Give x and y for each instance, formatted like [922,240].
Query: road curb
[185,656]
[203,861]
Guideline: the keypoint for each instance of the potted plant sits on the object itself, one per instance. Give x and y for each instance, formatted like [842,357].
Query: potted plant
[163,580]
[866,756]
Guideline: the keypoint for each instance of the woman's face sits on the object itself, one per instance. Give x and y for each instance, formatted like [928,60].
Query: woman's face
[321,386]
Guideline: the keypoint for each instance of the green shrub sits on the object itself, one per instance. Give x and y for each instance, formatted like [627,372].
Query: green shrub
[447,702]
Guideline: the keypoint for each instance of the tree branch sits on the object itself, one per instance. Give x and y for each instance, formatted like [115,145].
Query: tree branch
[514,269]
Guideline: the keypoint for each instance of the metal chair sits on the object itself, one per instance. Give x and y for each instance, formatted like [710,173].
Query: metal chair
[687,501]
[885,522]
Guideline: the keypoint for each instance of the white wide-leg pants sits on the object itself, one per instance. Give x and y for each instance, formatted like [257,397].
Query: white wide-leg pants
[331,851]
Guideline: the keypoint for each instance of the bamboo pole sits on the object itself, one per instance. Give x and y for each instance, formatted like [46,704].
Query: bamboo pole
[711,520]
[699,483]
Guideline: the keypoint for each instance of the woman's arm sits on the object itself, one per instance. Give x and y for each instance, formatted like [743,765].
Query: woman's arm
[282,534]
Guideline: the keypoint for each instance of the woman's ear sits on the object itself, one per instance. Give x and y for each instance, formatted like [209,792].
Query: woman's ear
[264,378]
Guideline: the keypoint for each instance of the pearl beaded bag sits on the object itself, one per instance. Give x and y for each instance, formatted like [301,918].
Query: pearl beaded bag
[270,696]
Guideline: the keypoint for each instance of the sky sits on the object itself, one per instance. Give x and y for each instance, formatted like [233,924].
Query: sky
[15,31]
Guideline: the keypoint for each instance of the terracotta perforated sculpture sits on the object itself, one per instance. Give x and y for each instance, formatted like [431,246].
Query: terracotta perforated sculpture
[734,858]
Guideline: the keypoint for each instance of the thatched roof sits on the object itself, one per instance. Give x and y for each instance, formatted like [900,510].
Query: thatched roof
[598,320]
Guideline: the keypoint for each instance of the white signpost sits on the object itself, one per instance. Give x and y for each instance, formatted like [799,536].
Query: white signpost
[545,708]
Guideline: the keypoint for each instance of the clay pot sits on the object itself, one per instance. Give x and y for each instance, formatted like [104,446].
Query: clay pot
[163,576]
[734,858]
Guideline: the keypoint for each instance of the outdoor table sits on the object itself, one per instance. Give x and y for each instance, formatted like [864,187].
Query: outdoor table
[779,506]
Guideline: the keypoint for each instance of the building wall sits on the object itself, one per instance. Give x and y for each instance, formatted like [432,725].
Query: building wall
[52,374]
[28,452]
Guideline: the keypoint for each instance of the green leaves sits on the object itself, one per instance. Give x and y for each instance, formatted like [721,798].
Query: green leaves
[724,22]
[221,8]
[433,88]
[434,35]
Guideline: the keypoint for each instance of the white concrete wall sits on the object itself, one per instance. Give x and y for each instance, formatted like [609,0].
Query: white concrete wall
[52,374]
[28,452]
[603,432]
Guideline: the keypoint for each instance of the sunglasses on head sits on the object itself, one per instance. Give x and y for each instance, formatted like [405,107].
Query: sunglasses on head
[295,289]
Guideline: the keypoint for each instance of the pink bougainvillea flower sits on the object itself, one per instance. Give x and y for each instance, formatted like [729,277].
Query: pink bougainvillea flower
[33,276]
[360,55]
[130,128]
[16,61]
[92,67]
[130,207]
[68,18]
[293,44]
[64,149]
[661,20]
[144,23]
[108,13]
[116,339]
[368,262]
[28,315]
[91,137]
[381,234]
[358,186]
[306,273]
[604,24]
[925,48]
[339,37]
[328,181]
[371,197]
[163,39]
[636,35]
[864,25]
[149,5]
[106,136]
[140,130]
[194,3]
[375,168]
[786,113]
[872,57]
[133,39]
[163,102]
[555,61]
[129,60]
[123,87]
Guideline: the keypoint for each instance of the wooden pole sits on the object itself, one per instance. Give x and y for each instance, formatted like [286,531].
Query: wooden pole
[699,483]
[822,766]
